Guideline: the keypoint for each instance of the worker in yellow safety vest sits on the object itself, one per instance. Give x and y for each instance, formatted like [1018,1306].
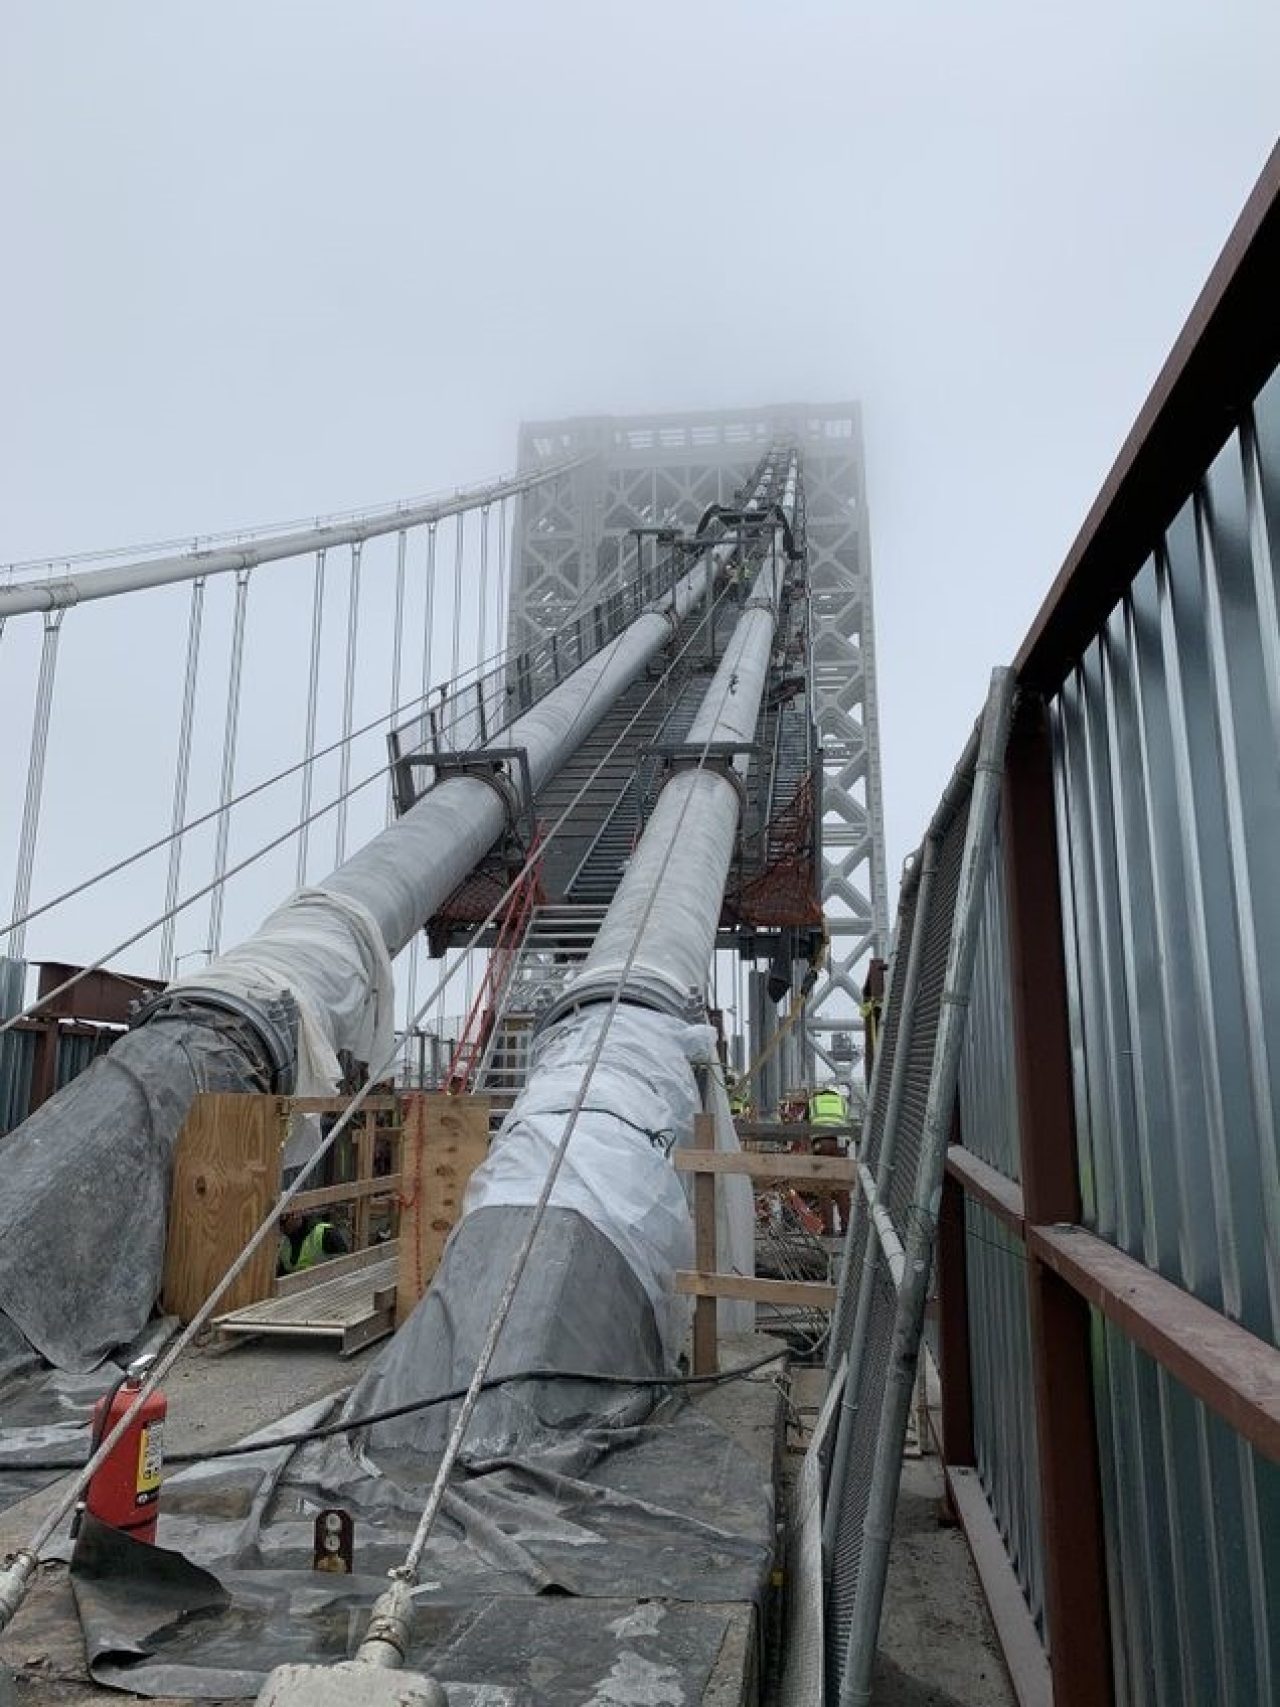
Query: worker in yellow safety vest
[306,1240]
[828,1106]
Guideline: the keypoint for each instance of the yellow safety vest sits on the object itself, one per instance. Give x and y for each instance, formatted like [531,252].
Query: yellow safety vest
[310,1252]
[826,1108]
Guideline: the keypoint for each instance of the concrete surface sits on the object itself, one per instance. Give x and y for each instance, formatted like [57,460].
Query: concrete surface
[938,1646]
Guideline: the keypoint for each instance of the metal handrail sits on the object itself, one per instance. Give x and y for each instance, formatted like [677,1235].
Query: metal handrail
[484,1009]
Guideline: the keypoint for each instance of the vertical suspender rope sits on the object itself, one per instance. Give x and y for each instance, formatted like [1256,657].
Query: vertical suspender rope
[348,699]
[35,778]
[182,776]
[482,630]
[457,595]
[228,763]
[313,701]
[428,616]
[502,625]
[397,652]
[428,611]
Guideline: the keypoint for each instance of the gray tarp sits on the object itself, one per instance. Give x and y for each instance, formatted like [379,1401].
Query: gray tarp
[82,1221]
[580,1512]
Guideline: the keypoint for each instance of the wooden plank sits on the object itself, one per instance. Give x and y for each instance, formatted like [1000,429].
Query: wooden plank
[325,1196]
[1001,1196]
[1015,1628]
[838,1170]
[330,1307]
[1232,1371]
[810,1294]
[704,1247]
[786,1130]
[226,1175]
[376,1326]
[304,1279]
[364,1171]
[335,1105]
[445,1139]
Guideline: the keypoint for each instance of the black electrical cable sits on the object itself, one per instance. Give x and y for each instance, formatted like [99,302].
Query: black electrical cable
[304,1436]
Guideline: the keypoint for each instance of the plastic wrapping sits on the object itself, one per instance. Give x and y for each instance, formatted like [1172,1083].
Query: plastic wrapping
[616,1171]
[326,952]
[85,1204]
[598,1548]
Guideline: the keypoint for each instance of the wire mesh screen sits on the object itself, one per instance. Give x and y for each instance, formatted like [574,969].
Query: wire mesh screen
[851,1511]
[885,1274]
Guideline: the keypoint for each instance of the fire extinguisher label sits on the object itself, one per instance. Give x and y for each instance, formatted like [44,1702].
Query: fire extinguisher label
[150,1458]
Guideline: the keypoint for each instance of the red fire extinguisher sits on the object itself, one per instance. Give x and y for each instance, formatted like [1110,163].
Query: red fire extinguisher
[125,1490]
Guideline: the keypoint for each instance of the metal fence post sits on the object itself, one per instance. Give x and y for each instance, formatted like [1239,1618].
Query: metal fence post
[1070,1488]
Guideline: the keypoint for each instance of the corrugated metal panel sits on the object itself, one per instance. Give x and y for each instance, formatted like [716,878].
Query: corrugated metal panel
[16,1048]
[1167,735]
[988,1089]
[1169,799]
[1193,1526]
[76,1050]
[1003,1399]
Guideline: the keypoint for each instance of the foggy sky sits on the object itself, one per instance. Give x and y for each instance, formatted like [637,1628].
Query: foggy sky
[267,260]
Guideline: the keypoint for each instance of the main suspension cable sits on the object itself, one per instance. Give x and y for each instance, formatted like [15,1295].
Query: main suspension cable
[407,1572]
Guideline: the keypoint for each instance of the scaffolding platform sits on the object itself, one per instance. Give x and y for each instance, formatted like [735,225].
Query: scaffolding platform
[355,1309]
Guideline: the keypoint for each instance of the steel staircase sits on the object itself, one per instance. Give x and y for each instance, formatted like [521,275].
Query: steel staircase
[556,942]
[600,871]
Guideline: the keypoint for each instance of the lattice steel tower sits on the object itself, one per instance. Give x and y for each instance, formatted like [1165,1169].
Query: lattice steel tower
[658,472]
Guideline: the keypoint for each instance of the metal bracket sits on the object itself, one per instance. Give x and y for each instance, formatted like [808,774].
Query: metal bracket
[714,756]
[513,786]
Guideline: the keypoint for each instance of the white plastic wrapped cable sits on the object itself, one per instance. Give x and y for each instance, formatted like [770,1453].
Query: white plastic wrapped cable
[327,952]
[642,1101]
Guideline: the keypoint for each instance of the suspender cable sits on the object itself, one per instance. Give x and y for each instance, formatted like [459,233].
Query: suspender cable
[502,622]
[228,762]
[35,779]
[182,775]
[483,624]
[348,698]
[397,650]
[428,610]
[457,595]
[313,701]
[428,616]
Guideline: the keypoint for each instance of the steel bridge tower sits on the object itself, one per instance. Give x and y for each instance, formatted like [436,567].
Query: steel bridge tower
[652,474]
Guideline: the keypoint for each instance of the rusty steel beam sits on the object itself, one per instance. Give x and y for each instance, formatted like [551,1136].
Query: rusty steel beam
[1075,1580]
[106,998]
[1227,349]
[1235,1373]
[989,1187]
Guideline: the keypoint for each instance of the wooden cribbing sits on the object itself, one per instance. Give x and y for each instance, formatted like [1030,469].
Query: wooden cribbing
[705,1361]
[445,1140]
